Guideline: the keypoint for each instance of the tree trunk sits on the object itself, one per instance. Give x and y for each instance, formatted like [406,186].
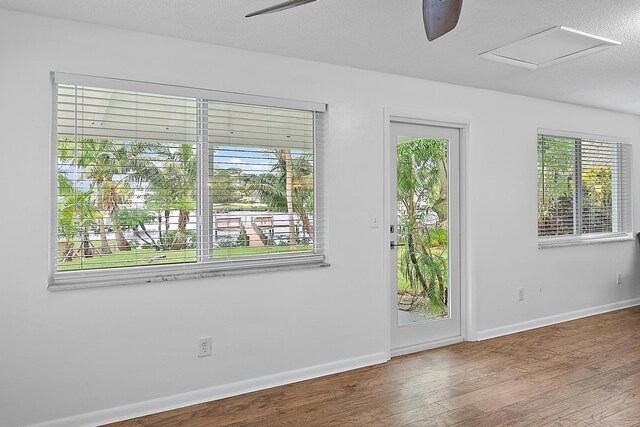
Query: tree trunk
[105,249]
[112,205]
[67,251]
[411,247]
[121,242]
[440,206]
[167,219]
[443,296]
[85,246]
[288,163]
[183,220]
[139,235]
[306,224]
[179,242]
[153,241]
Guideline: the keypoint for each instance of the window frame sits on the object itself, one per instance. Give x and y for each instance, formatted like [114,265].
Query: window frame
[589,238]
[204,266]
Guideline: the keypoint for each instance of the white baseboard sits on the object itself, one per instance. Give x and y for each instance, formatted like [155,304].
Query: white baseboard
[552,320]
[214,393]
[427,346]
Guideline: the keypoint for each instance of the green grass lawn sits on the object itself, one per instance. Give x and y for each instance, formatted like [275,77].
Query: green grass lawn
[141,257]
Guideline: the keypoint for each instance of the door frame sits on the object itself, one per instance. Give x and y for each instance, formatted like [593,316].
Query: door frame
[468,330]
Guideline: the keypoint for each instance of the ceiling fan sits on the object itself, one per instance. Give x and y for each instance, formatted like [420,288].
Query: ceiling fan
[440,16]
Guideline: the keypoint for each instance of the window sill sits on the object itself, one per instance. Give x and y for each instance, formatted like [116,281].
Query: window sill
[555,242]
[167,273]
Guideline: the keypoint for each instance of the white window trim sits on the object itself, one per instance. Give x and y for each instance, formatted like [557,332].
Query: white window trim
[79,279]
[171,272]
[588,239]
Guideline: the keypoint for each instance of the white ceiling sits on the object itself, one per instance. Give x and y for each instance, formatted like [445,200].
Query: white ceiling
[388,36]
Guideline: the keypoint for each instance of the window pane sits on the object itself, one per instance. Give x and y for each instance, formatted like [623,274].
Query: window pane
[556,165]
[598,160]
[127,171]
[261,180]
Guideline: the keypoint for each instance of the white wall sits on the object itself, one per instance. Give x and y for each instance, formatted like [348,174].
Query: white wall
[69,353]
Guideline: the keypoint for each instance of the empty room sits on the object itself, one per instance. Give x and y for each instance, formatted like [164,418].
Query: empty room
[320,213]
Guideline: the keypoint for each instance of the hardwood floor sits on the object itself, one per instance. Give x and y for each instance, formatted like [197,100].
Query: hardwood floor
[579,373]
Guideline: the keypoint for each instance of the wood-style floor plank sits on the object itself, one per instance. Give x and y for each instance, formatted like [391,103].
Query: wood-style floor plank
[580,373]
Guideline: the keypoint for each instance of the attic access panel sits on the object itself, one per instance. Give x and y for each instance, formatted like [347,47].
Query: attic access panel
[550,47]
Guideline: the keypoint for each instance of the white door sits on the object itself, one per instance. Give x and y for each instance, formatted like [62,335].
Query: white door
[424,236]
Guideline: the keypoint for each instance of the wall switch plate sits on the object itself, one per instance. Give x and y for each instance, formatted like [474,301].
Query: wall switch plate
[375,222]
[618,278]
[520,294]
[204,347]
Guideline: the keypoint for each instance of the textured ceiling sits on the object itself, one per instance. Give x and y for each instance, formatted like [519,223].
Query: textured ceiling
[387,36]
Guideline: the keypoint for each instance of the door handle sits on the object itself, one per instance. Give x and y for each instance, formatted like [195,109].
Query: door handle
[395,245]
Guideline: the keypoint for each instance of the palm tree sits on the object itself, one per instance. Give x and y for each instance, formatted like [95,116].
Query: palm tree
[174,186]
[135,219]
[289,185]
[284,157]
[112,167]
[67,228]
[67,155]
[76,216]
[227,185]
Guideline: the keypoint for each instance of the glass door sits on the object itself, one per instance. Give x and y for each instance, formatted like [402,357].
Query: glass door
[424,235]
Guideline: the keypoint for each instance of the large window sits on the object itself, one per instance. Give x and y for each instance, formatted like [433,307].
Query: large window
[152,184]
[584,188]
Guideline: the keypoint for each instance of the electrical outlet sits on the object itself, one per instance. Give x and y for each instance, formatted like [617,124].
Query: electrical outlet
[520,294]
[204,347]
[618,278]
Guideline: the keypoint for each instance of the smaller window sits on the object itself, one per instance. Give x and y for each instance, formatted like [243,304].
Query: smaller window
[584,189]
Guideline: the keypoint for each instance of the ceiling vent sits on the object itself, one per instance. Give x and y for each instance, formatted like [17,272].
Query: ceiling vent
[549,47]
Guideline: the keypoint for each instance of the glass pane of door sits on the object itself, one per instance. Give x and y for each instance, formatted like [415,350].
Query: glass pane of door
[422,218]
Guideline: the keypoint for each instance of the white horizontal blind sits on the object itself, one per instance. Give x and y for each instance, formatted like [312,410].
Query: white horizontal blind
[126,179]
[584,187]
[261,179]
[148,181]
[556,185]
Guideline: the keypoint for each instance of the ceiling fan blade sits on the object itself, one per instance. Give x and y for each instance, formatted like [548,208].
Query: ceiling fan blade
[279,7]
[440,16]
